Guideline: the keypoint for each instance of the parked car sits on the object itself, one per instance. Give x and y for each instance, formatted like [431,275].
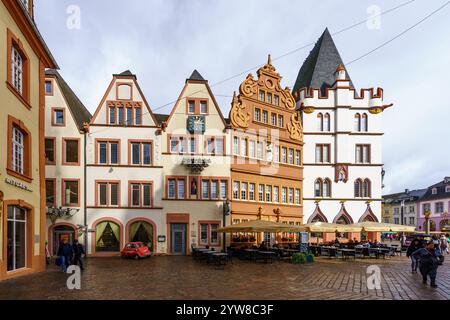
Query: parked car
[136,250]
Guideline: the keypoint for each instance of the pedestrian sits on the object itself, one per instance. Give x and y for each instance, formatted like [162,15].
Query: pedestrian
[415,245]
[78,251]
[65,254]
[429,258]
[443,244]
[48,256]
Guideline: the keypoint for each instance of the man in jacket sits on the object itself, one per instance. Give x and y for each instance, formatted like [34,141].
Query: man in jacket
[78,252]
[65,253]
[415,245]
[429,258]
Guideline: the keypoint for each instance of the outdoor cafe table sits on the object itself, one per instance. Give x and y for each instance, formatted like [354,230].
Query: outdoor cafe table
[348,253]
[220,258]
[251,254]
[267,255]
[380,251]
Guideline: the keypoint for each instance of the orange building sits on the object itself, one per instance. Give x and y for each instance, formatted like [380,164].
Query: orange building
[267,143]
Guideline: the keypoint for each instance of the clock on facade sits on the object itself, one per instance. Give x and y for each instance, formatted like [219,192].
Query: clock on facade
[196,124]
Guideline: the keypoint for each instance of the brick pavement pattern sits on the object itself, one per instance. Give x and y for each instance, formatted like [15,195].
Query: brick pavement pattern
[177,277]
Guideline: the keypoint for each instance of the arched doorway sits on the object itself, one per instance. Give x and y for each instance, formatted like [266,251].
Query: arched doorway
[141,231]
[107,237]
[61,233]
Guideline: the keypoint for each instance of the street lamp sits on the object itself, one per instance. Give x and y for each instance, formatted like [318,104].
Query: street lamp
[226,212]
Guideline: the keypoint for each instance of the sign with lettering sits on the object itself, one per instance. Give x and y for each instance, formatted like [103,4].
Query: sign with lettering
[161,238]
[196,124]
[18,184]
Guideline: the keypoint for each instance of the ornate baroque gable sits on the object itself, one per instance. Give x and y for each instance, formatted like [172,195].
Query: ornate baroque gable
[270,82]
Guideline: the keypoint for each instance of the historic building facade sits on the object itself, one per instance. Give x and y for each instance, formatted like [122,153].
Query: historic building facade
[195,153]
[23,59]
[124,184]
[267,145]
[66,121]
[404,204]
[343,136]
[434,208]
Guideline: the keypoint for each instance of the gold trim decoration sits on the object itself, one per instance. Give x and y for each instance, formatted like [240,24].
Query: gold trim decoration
[295,128]
[308,110]
[378,110]
[237,116]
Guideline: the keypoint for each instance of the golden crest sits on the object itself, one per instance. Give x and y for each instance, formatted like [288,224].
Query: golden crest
[376,110]
[238,118]
[295,128]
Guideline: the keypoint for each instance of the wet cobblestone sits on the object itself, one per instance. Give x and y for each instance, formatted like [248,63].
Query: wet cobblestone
[179,277]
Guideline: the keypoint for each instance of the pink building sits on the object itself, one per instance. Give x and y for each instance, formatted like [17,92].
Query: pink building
[436,201]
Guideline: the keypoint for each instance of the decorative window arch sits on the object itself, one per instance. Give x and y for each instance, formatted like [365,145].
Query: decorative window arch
[326,188]
[317,216]
[357,122]
[364,123]
[318,188]
[320,122]
[327,122]
[358,188]
[366,188]
[368,216]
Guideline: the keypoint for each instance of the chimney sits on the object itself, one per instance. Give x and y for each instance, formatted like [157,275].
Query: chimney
[407,191]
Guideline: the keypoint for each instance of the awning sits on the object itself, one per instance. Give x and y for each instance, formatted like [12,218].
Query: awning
[370,226]
[331,227]
[262,226]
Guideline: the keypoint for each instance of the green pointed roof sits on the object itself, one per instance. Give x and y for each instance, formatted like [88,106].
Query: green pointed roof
[319,67]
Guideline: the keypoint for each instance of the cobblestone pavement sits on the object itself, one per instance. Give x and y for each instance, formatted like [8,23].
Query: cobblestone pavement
[186,278]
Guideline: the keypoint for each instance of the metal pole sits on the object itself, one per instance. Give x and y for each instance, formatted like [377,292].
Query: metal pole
[85,197]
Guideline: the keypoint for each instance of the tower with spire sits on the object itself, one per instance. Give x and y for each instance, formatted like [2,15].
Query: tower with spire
[343,140]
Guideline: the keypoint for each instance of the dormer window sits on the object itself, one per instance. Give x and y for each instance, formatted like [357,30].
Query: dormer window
[434,191]
[447,188]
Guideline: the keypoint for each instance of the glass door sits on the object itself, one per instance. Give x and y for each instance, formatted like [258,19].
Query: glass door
[16,238]
[178,239]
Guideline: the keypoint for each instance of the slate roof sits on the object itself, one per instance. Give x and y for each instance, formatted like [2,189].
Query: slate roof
[411,196]
[126,73]
[441,194]
[79,112]
[319,67]
[196,76]
[161,117]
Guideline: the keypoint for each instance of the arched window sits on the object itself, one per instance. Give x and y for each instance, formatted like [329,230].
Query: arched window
[365,123]
[107,237]
[327,188]
[320,122]
[141,231]
[318,188]
[358,188]
[366,188]
[327,123]
[357,122]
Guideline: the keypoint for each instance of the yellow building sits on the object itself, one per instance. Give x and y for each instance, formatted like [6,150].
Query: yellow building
[23,59]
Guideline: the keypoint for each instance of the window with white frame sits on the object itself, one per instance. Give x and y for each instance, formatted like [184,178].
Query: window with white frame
[18,147]
[251,192]
[261,192]
[17,70]
[236,145]
[284,195]
[276,191]
[251,146]
[236,190]
[244,191]
[268,193]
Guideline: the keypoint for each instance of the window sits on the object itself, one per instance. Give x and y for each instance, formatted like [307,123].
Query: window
[220,146]
[203,107]
[396,210]
[244,147]
[261,193]
[223,190]
[411,209]
[273,119]
[50,192]
[276,191]
[49,151]
[137,116]
[358,188]
[260,150]
[208,233]
[71,150]
[192,145]
[214,189]
[262,96]
[176,188]
[297,196]
[322,153]
[268,193]
[140,153]
[297,158]
[326,188]
[49,87]
[291,156]
[244,191]
[141,194]
[108,194]
[276,155]
[205,189]
[269,98]
[439,207]
[320,122]
[251,146]
[17,70]
[280,121]
[426,207]
[58,117]
[191,106]
[327,122]
[108,152]
[236,190]
[210,146]
[318,188]
[364,123]
[251,192]
[264,116]
[257,115]
[129,116]
[17,234]
[236,145]
[283,155]
[357,126]
[120,119]
[434,191]
[107,237]
[19,150]
[70,193]
[447,188]
[412,221]
[284,195]
[362,153]
[291,195]
[112,115]
[276,100]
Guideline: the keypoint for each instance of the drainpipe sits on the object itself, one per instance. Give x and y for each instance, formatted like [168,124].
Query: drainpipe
[85,194]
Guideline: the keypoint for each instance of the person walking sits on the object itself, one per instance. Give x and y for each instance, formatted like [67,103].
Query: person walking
[78,251]
[443,244]
[415,245]
[429,258]
[65,254]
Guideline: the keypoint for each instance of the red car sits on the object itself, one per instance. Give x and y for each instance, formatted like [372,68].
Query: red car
[136,250]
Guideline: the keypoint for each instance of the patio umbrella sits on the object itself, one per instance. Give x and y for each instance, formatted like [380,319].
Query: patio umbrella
[370,226]
[331,227]
[261,226]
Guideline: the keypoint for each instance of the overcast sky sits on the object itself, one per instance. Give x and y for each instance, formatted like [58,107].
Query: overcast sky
[163,41]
